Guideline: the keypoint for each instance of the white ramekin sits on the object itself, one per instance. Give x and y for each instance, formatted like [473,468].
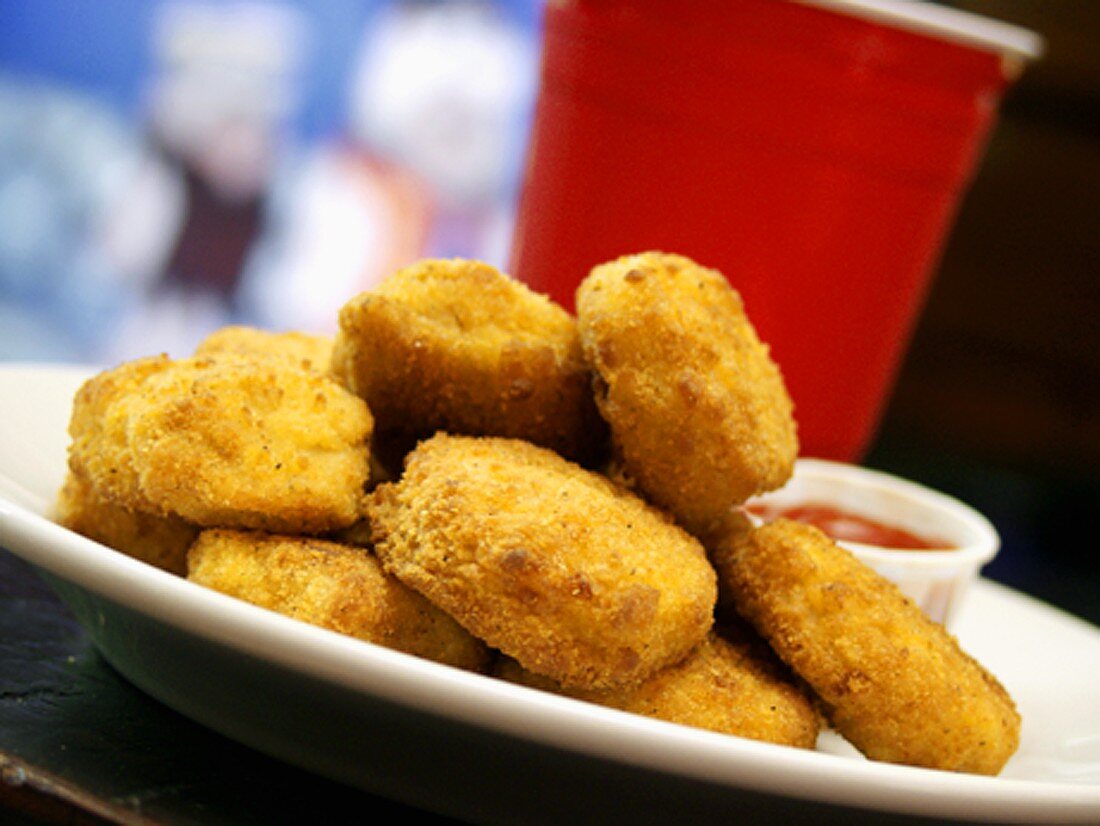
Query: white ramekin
[937,580]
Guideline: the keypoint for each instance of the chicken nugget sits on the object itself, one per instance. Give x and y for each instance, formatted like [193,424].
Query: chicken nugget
[456,345]
[99,450]
[161,541]
[305,350]
[552,564]
[700,416]
[723,535]
[335,586]
[225,441]
[729,683]
[891,680]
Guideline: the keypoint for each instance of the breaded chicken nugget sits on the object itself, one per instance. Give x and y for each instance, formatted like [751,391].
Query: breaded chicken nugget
[310,352]
[334,586]
[456,345]
[892,681]
[159,541]
[225,441]
[552,564]
[724,535]
[731,686]
[699,414]
[305,350]
[99,450]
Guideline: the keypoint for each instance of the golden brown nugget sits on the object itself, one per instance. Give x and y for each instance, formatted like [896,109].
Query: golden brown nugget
[305,350]
[227,441]
[99,450]
[159,541]
[892,681]
[456,345]
[726,685]
[334,586]
[699,414]
[550,563]
[723,535]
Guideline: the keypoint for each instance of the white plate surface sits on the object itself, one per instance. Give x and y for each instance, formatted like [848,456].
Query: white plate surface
[1048,660]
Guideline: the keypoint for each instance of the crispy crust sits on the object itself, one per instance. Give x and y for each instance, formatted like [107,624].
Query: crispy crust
[726,684]
[720,541]
[699,414]
[892,681]
[552,564]
[99,450]
[308,351]
[456,345]
[159,541]
[305,350]
[225,441]
[334,586]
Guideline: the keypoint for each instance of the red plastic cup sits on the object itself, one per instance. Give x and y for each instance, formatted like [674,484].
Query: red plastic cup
[814,152]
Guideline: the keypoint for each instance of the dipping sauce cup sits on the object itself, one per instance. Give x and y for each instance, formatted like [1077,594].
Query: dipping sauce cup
[959,540]
[814,152]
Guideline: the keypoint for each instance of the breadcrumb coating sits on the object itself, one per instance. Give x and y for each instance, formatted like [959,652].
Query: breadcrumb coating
[225,441]
[729,683]
[891,680]
[700,417]
[456,345]
[335,586]
[305,350]
[99,449]
[161,541]
[552,564]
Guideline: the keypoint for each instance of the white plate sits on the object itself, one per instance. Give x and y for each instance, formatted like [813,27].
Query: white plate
[480,748]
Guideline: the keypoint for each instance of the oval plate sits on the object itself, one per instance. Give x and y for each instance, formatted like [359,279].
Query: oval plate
[480,748]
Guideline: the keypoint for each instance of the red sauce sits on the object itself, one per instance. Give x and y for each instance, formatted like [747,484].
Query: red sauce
[851,527]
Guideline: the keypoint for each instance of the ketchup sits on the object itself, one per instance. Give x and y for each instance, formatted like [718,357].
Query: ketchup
[850,527]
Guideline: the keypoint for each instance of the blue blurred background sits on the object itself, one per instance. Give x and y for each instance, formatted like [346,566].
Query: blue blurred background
[170,166]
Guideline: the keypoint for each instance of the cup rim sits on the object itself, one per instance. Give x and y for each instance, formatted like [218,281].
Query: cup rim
[943,22]
[984,546]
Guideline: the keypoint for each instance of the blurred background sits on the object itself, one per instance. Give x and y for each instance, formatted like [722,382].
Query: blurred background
[170,167]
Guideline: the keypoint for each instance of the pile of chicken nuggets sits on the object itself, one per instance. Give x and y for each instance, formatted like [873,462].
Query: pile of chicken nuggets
[469,473]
